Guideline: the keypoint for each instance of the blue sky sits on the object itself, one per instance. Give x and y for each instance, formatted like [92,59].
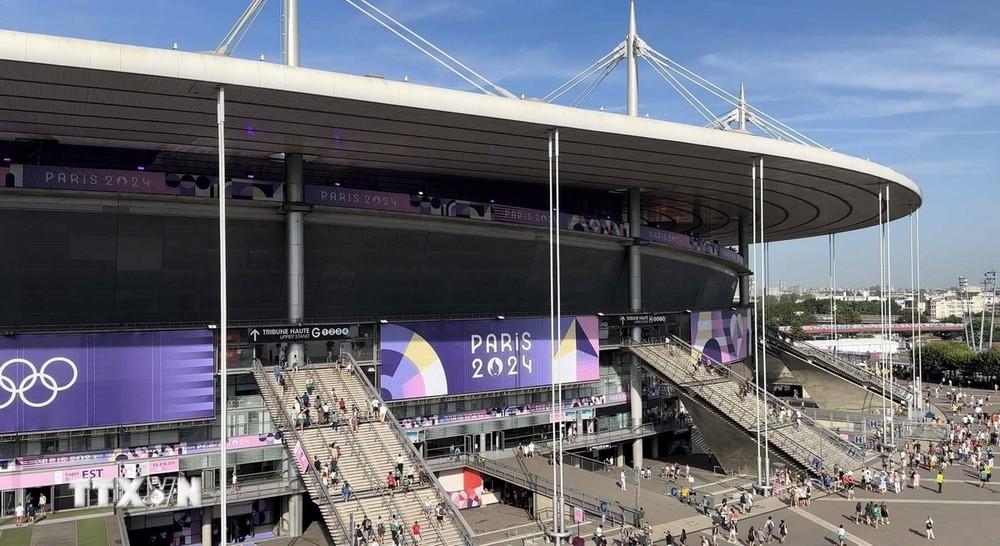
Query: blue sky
[912,84]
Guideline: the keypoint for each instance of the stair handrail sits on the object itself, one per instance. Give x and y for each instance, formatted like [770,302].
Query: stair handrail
[834,361]
[374,483]
[586,501]
[363,463]
[442,495]
[810,453]
[849,447]
[259,367]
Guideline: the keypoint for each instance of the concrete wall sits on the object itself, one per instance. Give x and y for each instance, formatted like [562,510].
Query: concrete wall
[734,448]
[828,390]
[62,268]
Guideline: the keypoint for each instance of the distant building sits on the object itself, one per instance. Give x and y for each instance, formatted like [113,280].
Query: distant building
[951,304]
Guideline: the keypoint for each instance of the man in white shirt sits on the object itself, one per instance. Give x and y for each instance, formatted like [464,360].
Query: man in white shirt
[19,514]
[621,478]
[531,449]
[42,501]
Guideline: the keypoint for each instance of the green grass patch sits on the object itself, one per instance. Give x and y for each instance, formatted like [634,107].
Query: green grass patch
[15,537]
[91,532]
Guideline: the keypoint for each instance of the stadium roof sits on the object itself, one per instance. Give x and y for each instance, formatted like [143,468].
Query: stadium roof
[95,93]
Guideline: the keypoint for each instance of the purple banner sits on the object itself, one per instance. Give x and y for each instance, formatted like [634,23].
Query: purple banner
[70,178]
[665,237]
[722,335]
[65,381]
[421,359]
[358,199]
[520,215]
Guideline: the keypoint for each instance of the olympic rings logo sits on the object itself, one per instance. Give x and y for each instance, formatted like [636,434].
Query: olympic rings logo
[19,390]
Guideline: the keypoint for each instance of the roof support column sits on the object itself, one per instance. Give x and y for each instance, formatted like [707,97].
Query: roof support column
[635,297]
[744,249]
[290,31]
[294,218]
[632,85]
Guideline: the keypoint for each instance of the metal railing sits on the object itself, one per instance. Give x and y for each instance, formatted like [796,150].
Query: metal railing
[414,455]
[724,401]
[374,481]
[533,482]
[774,400]
[263,377]
[839,365]
[122,528]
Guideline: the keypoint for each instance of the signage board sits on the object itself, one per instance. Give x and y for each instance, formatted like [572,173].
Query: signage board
[279,334]
[81,380]
[73,178]
[641,319]
[446,358]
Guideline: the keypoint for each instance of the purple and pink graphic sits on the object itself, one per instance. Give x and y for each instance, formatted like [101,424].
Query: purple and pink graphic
[722,335]
[464,486]
[446,358]
[65,381]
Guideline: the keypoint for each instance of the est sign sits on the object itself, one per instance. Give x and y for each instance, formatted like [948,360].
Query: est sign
[278,334]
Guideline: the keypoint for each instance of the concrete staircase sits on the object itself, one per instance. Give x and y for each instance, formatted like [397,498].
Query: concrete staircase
[808,444]
[367,456]
[838,366]
[279,406]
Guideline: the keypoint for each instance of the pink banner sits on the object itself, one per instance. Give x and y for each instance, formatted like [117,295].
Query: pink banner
[123,470]
[137,453]
[300,458]
[70,178]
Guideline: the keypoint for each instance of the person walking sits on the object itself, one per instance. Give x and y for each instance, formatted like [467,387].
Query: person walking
[841,535]
[929,525]
[621,479]
[782,532]
[939,479]
[19,515]
[415,531]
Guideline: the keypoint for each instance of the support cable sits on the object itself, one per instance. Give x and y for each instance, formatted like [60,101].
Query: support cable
[499,90]
[596,81]
[679,87]
[724,95]
[616,54]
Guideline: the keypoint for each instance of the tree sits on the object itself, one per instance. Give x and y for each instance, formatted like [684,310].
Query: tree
[848,316]
[989,362]
[945,356]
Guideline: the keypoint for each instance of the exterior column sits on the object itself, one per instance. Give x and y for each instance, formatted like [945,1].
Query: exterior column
[744,249]
[635,296]
[206,526]
[295,515]
[294,218]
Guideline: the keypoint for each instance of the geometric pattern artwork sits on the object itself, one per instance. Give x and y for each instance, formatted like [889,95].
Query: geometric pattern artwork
[722,335]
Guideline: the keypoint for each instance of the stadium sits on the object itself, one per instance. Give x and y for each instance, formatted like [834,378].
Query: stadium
[385,241]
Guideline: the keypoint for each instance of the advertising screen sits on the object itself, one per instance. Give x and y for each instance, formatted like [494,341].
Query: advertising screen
[421,359]
[723,335]
[63,381]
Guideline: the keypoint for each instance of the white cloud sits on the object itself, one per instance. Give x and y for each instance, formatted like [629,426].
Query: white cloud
[880,77]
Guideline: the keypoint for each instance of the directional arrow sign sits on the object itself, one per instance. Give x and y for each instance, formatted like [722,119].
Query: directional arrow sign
[318,332]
